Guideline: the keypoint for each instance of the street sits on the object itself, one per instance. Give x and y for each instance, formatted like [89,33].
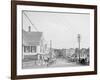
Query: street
[62,62]
[59,62]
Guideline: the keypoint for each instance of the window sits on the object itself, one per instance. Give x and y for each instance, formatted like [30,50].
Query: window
[26,49]
[29,49]
[33,49]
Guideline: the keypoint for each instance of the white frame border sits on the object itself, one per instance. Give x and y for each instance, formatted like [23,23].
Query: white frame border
[21,71]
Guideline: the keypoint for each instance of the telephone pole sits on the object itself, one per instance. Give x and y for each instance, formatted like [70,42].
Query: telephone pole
[50,44]
[79,45]
[51,48]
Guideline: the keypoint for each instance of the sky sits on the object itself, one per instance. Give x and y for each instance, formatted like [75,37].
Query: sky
[61,28]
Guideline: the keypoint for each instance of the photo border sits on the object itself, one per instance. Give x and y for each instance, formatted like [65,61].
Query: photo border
[14,39]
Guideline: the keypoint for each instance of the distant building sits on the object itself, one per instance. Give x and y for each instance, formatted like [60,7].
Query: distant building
[70,52]
[84,54]
[64,52]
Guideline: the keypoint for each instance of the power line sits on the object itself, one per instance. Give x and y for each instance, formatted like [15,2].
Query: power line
[31,22]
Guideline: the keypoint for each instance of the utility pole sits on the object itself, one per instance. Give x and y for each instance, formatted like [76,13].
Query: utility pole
[79,45]
[50,44]
[51,48]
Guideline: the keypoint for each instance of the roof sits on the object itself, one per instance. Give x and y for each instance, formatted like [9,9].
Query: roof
[31,38]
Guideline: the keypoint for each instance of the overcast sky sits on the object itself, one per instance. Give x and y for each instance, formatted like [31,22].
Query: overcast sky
[61,28]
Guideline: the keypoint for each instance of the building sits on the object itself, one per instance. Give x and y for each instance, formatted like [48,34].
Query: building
[33,44]
[70,52]
[83,53]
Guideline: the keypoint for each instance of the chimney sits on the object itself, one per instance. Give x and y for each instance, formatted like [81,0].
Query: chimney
[29,28]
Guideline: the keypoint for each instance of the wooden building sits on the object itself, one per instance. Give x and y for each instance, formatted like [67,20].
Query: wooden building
[33,44]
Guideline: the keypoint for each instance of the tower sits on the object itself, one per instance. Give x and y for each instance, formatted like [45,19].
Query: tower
[79,45]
